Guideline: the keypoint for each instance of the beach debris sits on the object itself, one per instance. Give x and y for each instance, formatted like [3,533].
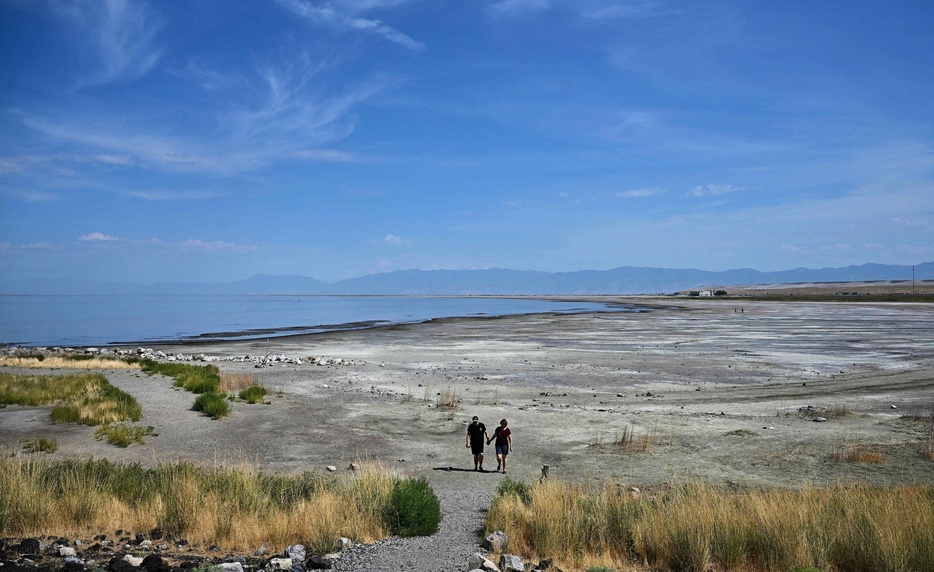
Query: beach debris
[160,355]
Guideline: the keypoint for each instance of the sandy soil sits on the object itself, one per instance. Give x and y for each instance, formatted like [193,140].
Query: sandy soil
[713,388]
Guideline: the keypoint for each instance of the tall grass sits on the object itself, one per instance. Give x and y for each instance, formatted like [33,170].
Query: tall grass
[237,508]
[83,398]
[696,527]
[77,361]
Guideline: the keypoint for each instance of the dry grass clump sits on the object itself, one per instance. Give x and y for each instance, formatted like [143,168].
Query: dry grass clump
[858,454]
[700,527]
[55,362]
[629,440]
[447,399]
[236,382]
[741,433]
[927,449]
[237,508]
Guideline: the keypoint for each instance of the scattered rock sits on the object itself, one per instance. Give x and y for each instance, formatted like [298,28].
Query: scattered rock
[296,551]
[319,563]
[280,564]
[511,563]
[494,542]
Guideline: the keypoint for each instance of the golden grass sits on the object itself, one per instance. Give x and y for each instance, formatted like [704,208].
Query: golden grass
[63,363]
[237,508]
[235,382]
[858,454]
[632,441]
[447,399]
[700,527]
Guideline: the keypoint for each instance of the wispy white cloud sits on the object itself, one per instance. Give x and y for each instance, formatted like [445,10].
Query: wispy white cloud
[97,237]
[172,195]
[713,190]
[626,10]
[123,33]
[639,193]
[912,224]
[327,155]
[215,246]
[392,239]
[327,15]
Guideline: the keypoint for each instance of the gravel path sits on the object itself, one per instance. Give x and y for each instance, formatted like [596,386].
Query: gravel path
[464,503]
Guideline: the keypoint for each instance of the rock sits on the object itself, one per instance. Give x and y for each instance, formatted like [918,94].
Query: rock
[479,562]
[319,563]
[332,468]
[29,546]
[546,563]
[261,551]
[280,564]
[229,567]
[134,561]
[118,564]
[494,542]
[73,565]
[296,552]
[297,567]
[820,419]
[511,563]
[155,563]
[66,551]
[893,406]
[344,543]
[145,544]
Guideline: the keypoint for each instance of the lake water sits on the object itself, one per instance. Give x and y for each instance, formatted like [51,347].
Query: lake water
[102,320]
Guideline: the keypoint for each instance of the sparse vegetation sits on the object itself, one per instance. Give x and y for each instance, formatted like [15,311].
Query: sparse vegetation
[741,433]
[237,508]
[700,527]
[41,445]
[629,440]
[123,435]
[447,399]
[214,405]
[927,449]
[857,452]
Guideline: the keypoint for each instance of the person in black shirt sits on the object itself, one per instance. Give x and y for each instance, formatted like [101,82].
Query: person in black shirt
[476,435]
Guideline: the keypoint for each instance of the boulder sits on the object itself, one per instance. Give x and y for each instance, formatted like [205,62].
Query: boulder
[478,561]
[319,563]
[511,563]
[280,564]
[66,551]
[494,542]
[229,567]
[296,552]
[29,546]
[134,561]
[155,563]
[118,564]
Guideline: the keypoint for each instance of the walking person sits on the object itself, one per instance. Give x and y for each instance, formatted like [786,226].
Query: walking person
[503,436]
[476,433]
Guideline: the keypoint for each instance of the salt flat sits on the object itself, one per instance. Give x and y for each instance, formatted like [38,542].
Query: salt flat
[711,388]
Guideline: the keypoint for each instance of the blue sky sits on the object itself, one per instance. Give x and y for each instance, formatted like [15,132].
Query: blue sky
[210,140]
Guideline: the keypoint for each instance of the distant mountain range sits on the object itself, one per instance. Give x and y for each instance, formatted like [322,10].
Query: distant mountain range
[623,280]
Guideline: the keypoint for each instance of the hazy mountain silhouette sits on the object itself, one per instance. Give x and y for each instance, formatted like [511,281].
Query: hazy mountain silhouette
[623,280]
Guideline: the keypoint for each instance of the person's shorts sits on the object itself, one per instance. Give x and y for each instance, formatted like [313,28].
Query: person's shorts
[502,449]
[477,448]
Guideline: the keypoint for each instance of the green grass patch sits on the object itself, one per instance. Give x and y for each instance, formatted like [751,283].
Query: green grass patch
[253,394]
[123,435]
[518,489]
[85,398]
[193,378]
[413,509]
[214,405]
[41,445]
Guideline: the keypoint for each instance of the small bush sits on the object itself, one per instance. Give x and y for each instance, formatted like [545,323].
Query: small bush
[214,405]
[253,394]
[41,444]
[123,435]
[237,381]
[447,399]
[857,454]
[79,357]
[517,489]
[413,509]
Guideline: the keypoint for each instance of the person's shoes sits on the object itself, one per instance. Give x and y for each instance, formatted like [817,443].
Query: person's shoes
[497,468]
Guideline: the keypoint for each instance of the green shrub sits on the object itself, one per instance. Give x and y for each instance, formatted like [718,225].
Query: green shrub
[41,444]
[413,509]
[79,357]
[519,489]
[214,405]
[253,394]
